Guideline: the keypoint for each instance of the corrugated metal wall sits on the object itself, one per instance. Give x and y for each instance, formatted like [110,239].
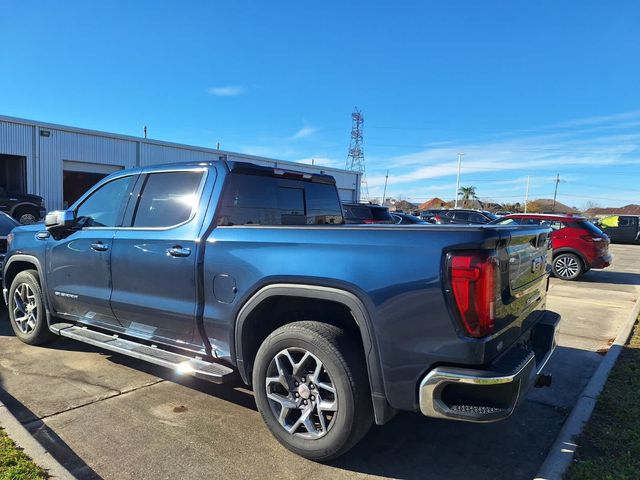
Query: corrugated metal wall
[153,154]
[46,153]
[61,145]
[17,139]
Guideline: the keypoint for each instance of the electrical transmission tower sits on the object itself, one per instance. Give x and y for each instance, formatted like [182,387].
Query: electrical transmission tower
[355,157]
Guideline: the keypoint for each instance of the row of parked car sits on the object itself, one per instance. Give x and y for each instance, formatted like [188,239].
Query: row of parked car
[578,244]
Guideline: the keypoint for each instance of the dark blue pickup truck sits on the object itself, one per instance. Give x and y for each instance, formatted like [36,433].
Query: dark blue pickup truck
[220,269]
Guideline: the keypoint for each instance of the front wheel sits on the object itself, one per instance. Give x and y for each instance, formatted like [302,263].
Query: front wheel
[568,266]
[26,309]
[312,390]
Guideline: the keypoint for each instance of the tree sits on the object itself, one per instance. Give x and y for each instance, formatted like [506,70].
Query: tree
[468,193]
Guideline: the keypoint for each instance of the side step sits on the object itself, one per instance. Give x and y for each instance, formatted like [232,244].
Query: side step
[213,372]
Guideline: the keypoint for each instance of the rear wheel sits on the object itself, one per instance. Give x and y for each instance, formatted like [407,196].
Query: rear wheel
[568,266]
[311,387]
[26,309]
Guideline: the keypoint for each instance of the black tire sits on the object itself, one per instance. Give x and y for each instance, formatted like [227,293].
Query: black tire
[34,330]
[26,215]
[568,266]
[345,369]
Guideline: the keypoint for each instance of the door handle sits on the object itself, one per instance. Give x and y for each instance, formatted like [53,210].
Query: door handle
[100,247]
[178,251]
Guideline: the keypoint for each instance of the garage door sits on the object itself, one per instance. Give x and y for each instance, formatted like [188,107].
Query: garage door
[78,177]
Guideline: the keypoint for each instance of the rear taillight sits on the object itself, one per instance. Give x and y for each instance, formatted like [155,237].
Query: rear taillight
[437,218]
[472,277]
[591,238]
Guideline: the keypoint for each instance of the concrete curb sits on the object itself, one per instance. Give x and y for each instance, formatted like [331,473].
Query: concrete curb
[561,453]
[30,445]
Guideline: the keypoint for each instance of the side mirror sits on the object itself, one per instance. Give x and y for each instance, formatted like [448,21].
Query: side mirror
[60,219]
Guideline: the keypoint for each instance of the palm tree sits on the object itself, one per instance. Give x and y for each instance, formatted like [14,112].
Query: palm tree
[468,193]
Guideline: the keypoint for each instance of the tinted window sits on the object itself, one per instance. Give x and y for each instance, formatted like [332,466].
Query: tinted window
[323,204]
[291,206]
[381,214]
[167,199]
[361,213]
[589,227]
[104,206]
[624,221]
[477,218]
[262,200]
[464,216]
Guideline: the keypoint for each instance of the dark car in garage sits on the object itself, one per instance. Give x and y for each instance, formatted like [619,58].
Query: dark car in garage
[24,207]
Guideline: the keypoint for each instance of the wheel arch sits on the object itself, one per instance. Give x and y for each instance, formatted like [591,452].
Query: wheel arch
[359,317]
[19,263]
[20,205]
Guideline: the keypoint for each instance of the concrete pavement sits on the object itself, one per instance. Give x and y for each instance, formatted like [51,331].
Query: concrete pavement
[109,416]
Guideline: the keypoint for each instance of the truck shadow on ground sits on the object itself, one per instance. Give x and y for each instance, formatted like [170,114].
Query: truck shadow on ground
[410,446]
[48,438]
[611,277]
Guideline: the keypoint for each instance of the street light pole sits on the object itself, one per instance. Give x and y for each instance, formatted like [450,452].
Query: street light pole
[458,180]
[526,195]
[384,193]
[555,194]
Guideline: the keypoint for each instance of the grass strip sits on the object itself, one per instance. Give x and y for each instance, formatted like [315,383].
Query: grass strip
[609,446]
[15,464]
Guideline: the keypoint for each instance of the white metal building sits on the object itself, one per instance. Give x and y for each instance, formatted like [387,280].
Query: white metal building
[59,163]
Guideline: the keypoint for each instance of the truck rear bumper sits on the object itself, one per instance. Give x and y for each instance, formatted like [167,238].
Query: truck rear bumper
[492,394]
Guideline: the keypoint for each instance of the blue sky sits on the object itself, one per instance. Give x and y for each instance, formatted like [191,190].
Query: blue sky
[521,87]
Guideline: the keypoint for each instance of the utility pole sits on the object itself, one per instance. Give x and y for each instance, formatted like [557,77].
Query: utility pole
[555,194]
[384,193]
[526,195]
[145,131]
[458,180]
[355,157]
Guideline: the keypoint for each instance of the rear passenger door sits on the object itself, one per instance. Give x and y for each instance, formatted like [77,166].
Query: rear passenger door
[154,256]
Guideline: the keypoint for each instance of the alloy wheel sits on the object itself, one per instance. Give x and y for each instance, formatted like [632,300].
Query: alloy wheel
[25,309]
[27,219]
[567,267]
[301,393]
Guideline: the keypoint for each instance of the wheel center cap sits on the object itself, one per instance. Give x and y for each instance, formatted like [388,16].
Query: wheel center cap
[304,391]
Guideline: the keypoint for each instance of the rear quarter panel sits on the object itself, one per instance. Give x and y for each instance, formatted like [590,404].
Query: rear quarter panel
[396,271]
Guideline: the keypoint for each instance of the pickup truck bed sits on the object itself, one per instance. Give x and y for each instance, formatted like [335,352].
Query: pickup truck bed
[221,267]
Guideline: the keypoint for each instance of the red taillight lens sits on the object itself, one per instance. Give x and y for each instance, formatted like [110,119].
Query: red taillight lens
[472,284]
[591,238]
[437,218]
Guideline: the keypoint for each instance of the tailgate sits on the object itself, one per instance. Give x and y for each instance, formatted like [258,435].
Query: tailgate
[523,275]
[526,254]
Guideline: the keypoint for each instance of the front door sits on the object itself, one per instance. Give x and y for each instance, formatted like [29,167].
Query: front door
[79,266]
[154,259]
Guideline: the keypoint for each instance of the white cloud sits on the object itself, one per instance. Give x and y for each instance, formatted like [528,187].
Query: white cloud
[591,148]
[228,91]
[304,132]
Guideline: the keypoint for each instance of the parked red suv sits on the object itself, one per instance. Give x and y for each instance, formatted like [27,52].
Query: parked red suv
[578,245]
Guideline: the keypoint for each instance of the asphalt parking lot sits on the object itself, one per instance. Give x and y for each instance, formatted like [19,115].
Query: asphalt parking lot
[108,416]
